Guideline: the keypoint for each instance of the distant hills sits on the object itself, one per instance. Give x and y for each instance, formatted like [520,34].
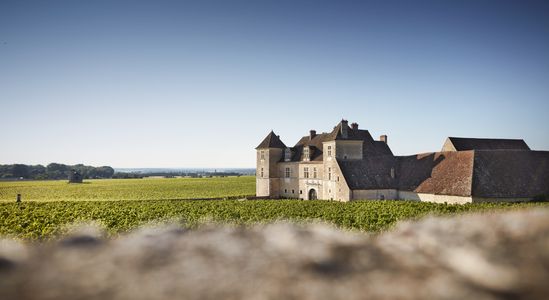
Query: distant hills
[242,171]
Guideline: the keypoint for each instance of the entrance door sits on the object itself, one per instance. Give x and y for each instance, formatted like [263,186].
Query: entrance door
[312,194]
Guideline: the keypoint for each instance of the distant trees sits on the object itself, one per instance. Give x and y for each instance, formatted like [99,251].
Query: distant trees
[19,170]
[57,171]
[125,175]
[53,171]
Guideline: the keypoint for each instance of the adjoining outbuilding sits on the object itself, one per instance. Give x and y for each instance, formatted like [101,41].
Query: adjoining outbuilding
[348,164]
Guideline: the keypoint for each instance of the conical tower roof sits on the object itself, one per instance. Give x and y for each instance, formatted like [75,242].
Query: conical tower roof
[271,141]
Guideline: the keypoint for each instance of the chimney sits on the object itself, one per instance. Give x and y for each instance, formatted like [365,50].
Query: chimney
[344,126]
[312,134]
[354,126]
[383,138]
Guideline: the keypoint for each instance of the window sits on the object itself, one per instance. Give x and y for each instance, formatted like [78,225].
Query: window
[314,172]
[300,191]
[287,154]
[261,172]
[293,191]
[337,178]
[329,173]
[285,191]
[306,154]
[287,173]
[262,155]
[329,150]
[306,172]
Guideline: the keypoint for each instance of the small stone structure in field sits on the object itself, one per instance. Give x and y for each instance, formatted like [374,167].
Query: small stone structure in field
[75,177]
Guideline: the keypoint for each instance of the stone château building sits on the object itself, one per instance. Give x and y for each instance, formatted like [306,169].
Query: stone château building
[348,164]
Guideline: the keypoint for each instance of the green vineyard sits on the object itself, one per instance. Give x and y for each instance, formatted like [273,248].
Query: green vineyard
[49,208]
[44,220]
[129,189]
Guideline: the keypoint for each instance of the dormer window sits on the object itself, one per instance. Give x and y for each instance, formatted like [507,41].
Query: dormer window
[287,154]
[306,154]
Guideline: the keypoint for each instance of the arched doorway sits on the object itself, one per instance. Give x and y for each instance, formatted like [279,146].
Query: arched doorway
[312,194]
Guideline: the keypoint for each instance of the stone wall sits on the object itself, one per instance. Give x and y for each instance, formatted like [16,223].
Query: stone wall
[497,255]
[404,195]
[348,149]
[448,146]
[386,194]
[289,187]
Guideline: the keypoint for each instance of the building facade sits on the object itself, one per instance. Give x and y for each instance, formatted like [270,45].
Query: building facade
[348,164]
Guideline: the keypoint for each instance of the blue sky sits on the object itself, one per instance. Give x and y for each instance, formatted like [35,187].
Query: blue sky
[199,84]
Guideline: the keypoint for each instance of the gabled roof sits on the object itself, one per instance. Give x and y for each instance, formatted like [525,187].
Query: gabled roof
[463,144]
[477,173]
[508,174]
[370,146]
[271,141]
[358,134]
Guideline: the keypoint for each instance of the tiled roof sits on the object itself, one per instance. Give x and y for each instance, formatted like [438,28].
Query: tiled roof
[462,144]
[271,141]
[376,148]
[445,173]
[358,134]
[370,173]
[315,144]
[511,173]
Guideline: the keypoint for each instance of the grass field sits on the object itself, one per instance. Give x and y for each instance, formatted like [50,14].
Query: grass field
[56,205]
[129,189]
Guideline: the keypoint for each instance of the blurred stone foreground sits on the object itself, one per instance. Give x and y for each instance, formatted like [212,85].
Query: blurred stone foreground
[479,256]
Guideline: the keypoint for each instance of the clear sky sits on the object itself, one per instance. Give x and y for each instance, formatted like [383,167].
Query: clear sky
[200,84]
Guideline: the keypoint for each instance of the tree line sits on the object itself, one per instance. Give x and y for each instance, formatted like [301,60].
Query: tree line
[53,171]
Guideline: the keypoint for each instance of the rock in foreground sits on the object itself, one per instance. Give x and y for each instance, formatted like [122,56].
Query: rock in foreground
[481,256]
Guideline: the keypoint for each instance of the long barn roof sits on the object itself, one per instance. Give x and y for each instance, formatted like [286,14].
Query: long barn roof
[463,144]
